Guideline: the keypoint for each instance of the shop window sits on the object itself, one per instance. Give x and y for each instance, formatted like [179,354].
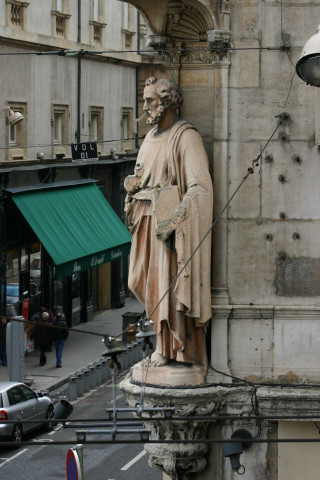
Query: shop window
[127,142]
[96,125]
[127,25]
[17,134]
[60,128]
[16,13]
[97,24]
[60,17]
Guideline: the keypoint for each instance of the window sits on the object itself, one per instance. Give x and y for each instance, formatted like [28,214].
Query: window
[96,22]
[58,5]
[16,13]
[127,129]
[60,128]
[57,128]
[125,16]
[15,396]
[95,10]
[28,393]
[127,25]
[60,17]
[96,125]
[17,134]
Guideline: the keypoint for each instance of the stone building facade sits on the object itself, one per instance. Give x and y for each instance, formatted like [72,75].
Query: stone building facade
[66,95]
[235,63]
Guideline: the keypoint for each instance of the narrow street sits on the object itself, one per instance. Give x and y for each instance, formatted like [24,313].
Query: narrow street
[101,462]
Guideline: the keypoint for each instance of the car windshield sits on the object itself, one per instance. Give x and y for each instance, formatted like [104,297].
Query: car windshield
[13,290]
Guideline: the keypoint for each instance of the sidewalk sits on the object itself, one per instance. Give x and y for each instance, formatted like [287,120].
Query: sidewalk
[79,350]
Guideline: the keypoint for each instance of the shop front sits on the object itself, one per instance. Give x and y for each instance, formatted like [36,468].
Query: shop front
[61,239]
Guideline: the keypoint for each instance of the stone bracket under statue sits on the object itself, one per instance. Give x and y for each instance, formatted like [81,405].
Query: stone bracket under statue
[178,460]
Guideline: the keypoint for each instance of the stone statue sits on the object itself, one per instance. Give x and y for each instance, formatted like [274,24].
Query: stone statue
[169,210]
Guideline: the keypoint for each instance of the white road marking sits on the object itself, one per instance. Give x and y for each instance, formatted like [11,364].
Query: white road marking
[55,430]
[43,440]
[134,460]
[13,457]
[117,398]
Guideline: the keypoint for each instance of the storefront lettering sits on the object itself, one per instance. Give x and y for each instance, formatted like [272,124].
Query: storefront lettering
[116,254]
[76,267]
[95,261]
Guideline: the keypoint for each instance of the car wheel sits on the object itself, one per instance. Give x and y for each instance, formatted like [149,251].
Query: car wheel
[16,435]
[50,415]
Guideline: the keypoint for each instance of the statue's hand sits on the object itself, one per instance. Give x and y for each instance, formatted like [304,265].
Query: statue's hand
[164,230]
[132,183]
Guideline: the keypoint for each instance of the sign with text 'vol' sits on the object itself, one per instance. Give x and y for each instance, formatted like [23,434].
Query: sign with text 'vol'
[84,152]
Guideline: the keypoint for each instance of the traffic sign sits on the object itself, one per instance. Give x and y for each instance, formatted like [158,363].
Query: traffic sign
[84,152]
[73,465]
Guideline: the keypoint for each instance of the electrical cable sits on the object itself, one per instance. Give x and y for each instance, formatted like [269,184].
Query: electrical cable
[178,441]
[72,143]
[76,52]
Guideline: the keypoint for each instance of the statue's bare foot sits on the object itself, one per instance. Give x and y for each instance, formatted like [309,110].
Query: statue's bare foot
[158,360]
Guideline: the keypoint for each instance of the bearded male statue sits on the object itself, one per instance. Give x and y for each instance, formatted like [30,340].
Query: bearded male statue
[169,210]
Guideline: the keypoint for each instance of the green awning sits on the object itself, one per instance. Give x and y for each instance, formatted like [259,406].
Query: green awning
[76,225]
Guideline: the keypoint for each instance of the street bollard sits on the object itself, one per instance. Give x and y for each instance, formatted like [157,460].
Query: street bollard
[73,389]
[140,352]
[86,380]
[104,369]
[130,354]
[98,372]
[135,356]
[92,369]
[79,374]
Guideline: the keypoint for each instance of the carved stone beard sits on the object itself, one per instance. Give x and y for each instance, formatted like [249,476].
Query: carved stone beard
[157,115]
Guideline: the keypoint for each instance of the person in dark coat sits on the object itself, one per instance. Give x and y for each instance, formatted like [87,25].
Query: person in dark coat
[42,335]
[60,335]
[3,334]
[43,309]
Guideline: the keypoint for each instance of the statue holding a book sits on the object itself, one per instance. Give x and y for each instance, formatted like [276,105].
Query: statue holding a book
[169,208]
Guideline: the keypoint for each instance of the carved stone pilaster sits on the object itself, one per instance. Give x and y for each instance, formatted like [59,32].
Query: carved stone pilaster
[179,461]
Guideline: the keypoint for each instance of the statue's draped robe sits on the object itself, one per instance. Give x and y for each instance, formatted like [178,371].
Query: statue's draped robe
[175,157]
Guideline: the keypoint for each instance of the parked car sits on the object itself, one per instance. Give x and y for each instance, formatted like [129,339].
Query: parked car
[12,299]
[19,402]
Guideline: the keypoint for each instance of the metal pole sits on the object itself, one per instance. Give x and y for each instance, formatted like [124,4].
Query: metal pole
[3,248]
[79,449]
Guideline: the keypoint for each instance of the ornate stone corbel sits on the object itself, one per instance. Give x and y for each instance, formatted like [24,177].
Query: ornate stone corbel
[178,460]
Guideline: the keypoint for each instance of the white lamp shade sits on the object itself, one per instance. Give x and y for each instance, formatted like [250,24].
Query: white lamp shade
[14,117]
[308,66]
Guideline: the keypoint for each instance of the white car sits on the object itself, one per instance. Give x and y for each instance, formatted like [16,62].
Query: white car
[19,402]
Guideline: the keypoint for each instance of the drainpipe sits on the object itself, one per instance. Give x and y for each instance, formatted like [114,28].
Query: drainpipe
[137,80]
[3,251]
[79,78]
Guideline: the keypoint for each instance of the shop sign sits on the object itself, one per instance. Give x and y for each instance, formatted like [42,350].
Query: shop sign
[84,152]
[97,260]
[115,254]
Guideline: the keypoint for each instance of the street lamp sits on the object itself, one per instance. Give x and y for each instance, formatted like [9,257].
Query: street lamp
[13,117]
[308,66]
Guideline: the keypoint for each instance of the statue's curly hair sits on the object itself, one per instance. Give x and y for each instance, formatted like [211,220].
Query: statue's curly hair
[168,91]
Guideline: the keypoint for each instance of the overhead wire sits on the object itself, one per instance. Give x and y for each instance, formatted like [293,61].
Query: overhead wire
[38,145]
[70,53]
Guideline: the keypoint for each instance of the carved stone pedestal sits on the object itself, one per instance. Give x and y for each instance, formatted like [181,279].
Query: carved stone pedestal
[178,460]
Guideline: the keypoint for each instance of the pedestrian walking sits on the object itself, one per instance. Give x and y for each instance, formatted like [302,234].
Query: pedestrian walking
[42,335]
[3,337]
[60,335]
[44,308]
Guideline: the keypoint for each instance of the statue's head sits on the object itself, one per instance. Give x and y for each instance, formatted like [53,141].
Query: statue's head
[159,95]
